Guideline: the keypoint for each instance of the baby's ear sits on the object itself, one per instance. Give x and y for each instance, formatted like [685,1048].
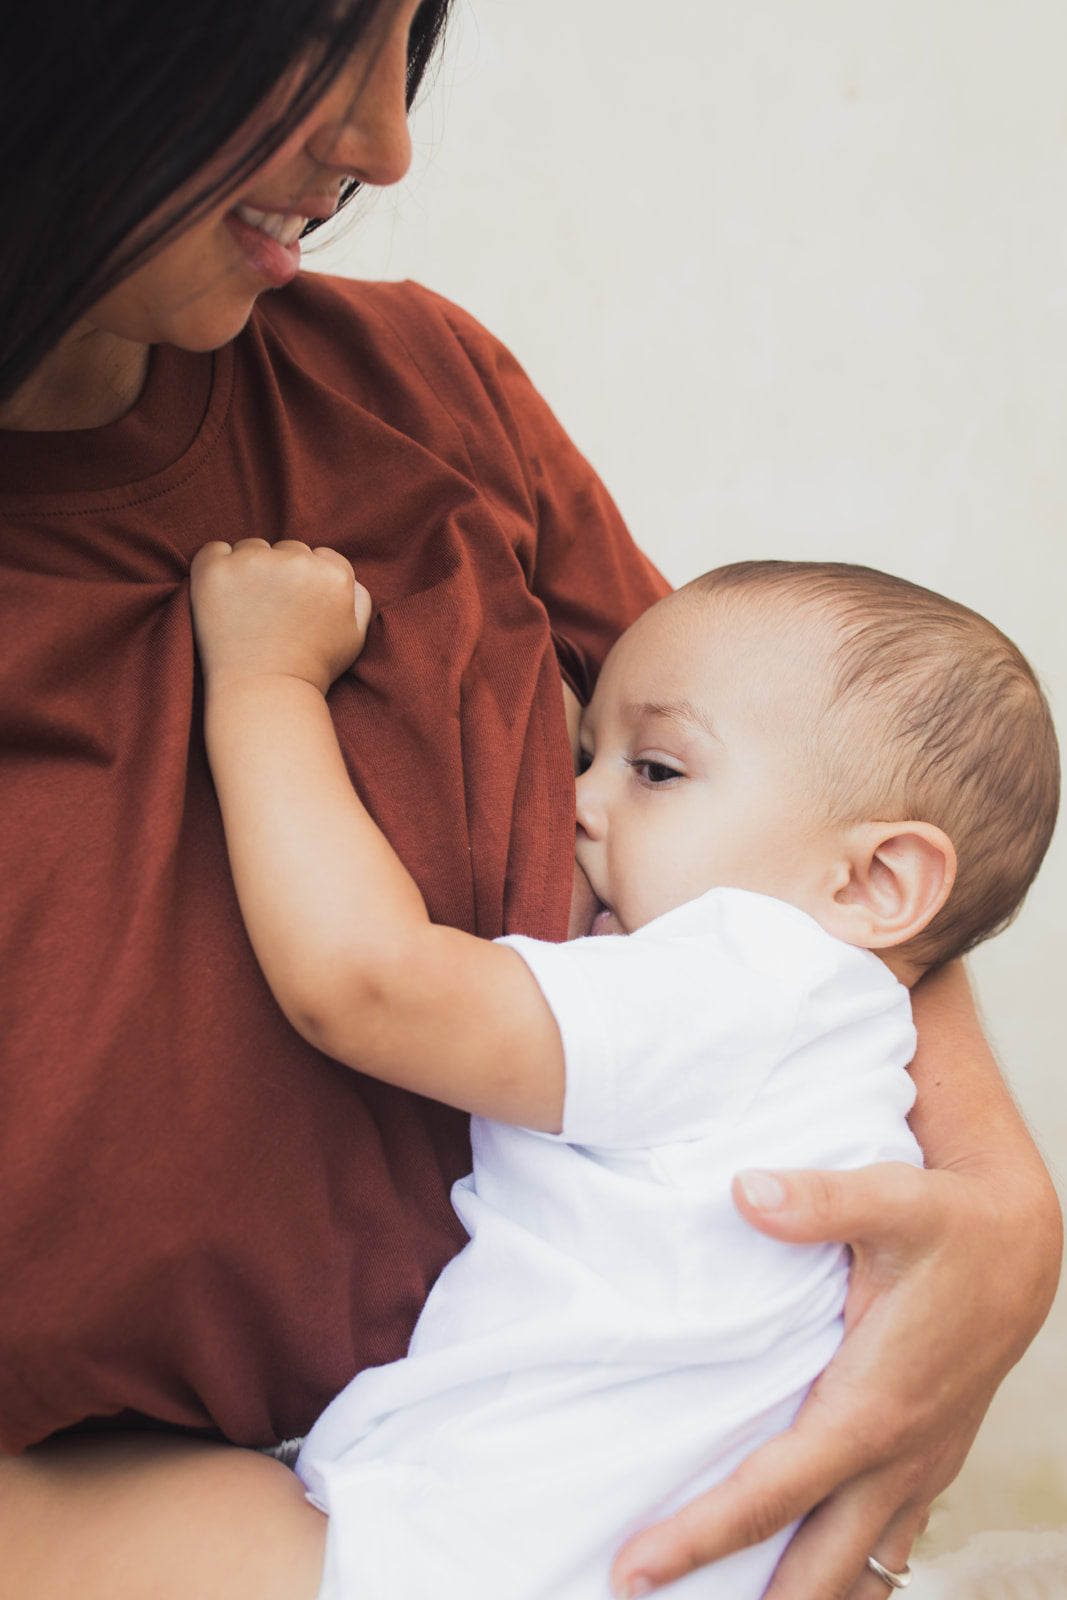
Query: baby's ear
[897,877]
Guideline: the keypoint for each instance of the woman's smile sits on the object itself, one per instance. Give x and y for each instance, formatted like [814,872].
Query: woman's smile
[268,240]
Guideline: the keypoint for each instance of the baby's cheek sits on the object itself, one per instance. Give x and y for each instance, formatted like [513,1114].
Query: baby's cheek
[584,905]
[573,708]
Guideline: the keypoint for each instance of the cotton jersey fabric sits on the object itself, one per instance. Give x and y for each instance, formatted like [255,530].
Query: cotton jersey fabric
[615,1338]
[204,1223]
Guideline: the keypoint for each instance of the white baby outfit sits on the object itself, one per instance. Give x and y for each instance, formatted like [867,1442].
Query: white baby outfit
[615,1338]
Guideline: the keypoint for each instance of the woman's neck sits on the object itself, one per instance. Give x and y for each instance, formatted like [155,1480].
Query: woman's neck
[92,378]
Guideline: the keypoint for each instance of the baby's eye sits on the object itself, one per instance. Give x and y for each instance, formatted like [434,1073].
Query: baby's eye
[583,761]
[655,772]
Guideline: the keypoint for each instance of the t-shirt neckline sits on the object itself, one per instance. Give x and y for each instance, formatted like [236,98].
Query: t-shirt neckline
[155,439]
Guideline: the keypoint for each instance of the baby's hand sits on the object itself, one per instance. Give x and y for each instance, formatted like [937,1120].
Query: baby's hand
[284,608]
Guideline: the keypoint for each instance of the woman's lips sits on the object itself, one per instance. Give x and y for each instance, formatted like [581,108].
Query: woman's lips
[269,241]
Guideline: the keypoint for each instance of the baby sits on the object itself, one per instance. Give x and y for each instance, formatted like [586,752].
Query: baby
[801,787]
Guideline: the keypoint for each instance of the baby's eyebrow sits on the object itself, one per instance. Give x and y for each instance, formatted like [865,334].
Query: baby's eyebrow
[683,711]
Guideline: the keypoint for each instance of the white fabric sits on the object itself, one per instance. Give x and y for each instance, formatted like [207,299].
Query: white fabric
[614,1339]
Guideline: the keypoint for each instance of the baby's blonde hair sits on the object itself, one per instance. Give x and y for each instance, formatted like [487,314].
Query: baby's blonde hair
[931,715]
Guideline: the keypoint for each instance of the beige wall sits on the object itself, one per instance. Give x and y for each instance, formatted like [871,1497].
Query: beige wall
[794,274]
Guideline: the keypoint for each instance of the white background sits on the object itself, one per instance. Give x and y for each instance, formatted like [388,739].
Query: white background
[794,275]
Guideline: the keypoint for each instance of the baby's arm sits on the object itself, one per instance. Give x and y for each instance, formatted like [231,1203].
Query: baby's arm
[337,923]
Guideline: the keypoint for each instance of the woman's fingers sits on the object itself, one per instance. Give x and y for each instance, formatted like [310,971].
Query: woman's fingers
[890,1203]
[893,1550]
[776,1485]
[827,1559]
[791,1477]
[887,1425]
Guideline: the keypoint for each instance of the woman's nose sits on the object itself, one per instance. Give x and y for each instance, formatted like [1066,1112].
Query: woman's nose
[362,125]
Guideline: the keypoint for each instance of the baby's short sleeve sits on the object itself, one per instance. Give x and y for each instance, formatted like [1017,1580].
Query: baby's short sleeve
[671,1031]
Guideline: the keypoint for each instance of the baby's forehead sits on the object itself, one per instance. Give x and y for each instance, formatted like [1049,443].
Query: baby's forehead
[731,670]
[736,642]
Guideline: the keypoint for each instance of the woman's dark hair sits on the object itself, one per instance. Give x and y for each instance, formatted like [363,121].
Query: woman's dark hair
[110,107]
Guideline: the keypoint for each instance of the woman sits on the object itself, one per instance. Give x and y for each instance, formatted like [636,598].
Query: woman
[206,1227]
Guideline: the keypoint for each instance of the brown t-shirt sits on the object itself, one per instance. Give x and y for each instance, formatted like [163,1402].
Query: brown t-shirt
[203,1221]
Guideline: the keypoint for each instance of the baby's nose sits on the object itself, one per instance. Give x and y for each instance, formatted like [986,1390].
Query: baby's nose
[588,807]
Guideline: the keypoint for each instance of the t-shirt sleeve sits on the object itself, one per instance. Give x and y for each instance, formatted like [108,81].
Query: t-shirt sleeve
[666,1036]
[590,576]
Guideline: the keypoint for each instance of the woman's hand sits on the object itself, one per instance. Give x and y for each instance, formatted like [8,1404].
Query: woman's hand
[277,609]
[954,1272]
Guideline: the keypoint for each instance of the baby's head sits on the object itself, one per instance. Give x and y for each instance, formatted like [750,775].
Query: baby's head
[841,739]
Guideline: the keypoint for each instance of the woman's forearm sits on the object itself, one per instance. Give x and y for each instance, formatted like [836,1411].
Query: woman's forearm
[966,1120]
[962,1098]
[964,1112]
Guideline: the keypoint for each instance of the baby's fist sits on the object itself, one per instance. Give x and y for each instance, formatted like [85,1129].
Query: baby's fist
[284,608]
